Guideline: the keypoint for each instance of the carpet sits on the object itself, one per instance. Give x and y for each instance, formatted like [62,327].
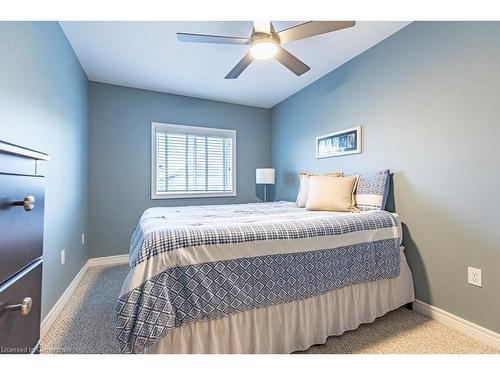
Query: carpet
[85,325]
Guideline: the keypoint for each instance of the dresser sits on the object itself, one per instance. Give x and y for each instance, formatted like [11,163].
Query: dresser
[21,247]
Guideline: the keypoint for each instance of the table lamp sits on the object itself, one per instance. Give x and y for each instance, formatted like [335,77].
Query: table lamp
[264,176]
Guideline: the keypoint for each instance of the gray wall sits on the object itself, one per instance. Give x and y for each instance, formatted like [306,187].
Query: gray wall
[119,155]
[428,99]
[43,105]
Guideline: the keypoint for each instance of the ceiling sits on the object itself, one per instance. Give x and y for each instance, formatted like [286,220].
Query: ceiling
[147,55]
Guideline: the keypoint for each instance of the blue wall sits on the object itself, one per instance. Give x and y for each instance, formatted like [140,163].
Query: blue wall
[427,98]
[120,157]
[43,105]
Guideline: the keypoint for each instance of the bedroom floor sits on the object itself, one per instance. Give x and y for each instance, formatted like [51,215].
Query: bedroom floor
[86,326]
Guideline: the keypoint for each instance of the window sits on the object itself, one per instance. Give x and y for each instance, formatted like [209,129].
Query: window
[192,161]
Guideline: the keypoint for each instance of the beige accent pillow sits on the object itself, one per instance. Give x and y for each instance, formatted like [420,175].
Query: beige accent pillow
[328,193]
[304,186]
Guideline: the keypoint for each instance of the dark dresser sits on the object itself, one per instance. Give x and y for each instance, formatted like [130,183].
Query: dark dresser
[21,247]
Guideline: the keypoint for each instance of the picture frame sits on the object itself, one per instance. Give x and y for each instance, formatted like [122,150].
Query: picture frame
[339,143]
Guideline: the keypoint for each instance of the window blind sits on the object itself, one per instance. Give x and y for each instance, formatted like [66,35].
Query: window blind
[193,163]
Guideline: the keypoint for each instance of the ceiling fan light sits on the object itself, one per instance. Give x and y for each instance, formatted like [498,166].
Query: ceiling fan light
[263,50]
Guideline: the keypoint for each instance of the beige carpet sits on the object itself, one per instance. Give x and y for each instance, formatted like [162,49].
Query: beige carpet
[86,326]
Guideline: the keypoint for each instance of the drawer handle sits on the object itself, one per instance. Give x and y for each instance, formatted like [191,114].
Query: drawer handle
[24,308]
[28,203]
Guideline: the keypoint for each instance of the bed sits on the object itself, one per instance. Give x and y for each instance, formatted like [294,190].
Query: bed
[257,278]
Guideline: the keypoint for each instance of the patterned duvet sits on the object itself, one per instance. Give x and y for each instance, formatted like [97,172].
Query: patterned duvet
[207,262]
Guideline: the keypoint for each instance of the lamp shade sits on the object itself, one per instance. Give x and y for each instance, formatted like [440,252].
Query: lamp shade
[264,175]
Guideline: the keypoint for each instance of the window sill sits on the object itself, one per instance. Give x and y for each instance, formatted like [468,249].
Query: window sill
[192,195]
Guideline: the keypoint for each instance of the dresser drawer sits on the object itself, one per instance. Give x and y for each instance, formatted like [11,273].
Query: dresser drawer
[21,225]
[20,325]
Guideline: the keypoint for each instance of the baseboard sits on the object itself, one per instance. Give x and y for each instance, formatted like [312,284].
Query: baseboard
[61,302]
[473,330]
[113,260]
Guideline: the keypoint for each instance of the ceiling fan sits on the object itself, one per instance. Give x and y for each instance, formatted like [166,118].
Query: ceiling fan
[265,43]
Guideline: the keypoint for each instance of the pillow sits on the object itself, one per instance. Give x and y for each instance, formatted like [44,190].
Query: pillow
[329,193]
[304,186]
[372,190]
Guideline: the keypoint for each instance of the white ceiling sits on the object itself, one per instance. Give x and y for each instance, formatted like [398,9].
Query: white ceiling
[147,55]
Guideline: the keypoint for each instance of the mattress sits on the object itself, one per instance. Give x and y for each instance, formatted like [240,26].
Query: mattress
[193,266]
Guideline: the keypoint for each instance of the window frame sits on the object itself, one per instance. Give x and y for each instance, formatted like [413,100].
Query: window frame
[191,130]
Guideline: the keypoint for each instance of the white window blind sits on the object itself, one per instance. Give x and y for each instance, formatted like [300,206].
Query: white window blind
[191,161]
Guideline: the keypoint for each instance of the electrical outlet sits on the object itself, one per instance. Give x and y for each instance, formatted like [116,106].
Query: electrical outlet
[83,238]
[474,276]
[63,256]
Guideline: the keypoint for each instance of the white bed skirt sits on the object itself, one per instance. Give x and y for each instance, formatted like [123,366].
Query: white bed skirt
[292,326]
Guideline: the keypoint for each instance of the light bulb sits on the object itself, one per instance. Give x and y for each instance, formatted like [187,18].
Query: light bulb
[263,50]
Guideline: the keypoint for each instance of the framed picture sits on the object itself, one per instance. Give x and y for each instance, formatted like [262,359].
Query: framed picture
[339,143]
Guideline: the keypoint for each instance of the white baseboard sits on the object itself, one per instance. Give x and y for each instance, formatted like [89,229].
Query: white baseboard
[108,261]
[61,302]
[470,329]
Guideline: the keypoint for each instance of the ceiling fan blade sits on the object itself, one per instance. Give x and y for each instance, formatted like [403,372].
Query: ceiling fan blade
[217,39]
[312,28]
[291,62]
[240,67]
[262,27]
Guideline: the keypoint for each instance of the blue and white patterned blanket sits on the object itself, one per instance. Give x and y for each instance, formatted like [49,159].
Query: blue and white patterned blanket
[208,262]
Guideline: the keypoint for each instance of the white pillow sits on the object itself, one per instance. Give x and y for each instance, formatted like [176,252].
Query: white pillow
[304,186]
[303,190]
